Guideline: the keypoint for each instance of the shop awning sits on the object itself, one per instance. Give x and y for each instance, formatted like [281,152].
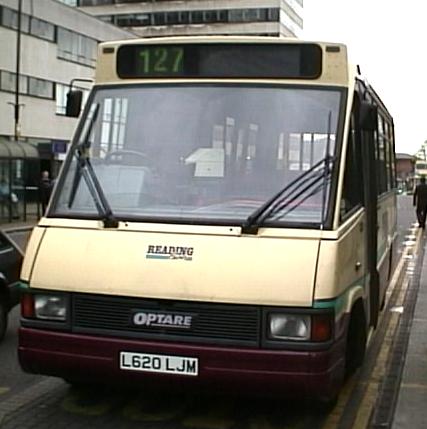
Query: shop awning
[17,150]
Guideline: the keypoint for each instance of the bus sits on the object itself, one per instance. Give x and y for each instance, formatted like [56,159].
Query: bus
[225,216]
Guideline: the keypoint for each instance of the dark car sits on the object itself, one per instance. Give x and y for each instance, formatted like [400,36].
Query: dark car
[10,266]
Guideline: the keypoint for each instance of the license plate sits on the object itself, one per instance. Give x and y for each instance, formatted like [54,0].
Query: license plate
[159,363]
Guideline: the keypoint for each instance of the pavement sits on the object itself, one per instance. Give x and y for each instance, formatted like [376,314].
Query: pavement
[411,408]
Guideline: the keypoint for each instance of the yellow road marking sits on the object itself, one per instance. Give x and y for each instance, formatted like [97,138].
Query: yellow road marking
[208,422]
[79,402]
[260,422]
[4,390]
[153,410]
[213,416]
[334,416]
[414,385]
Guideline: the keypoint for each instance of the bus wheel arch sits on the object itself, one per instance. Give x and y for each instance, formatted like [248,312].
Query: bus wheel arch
[356,338]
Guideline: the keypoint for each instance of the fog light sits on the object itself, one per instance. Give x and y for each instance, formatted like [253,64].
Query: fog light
[50,307]
[293,327]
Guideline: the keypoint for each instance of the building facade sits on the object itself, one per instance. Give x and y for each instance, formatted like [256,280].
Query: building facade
[57,43]
[405,171]
[152,18]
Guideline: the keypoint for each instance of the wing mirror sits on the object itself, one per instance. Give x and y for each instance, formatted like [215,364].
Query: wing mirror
[74,103]
[75,99]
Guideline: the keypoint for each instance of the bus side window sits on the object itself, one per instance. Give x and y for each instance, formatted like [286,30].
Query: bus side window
[352,194]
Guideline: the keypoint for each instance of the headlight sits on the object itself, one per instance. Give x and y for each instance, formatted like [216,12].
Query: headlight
[290,327]
[50,307]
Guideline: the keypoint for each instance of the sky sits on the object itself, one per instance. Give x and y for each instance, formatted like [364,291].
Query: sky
[388,39]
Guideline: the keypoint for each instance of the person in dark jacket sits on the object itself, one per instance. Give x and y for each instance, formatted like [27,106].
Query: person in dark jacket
[420,202]
[45,189]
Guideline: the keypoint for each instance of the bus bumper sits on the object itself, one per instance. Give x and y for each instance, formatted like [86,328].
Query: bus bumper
[96,359]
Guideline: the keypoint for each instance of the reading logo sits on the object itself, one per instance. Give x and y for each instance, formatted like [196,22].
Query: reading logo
[170,252]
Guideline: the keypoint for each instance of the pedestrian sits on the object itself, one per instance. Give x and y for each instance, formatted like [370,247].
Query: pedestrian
[6,195]
[420,202]
[45,189]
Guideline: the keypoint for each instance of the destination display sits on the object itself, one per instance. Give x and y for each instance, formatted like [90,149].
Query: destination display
[208,60]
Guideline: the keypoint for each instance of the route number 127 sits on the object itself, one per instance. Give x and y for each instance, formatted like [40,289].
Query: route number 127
[161,60]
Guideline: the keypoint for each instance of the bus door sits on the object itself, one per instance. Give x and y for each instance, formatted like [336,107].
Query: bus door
[368,126]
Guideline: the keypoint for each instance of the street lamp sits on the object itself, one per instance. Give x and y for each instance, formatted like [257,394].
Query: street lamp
[16,105]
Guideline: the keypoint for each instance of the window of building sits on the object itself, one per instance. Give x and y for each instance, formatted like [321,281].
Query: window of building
[183,17]
[235,15]
[61,98]
[113,127]
[23,84]
[65,44]
[70,2]
[98,2]
[306,149]
[159,18]
[40,88]
[210,16]
[9,19]
[196,17]
[172,18]
[253,15]
[133,20]
[42,29]
[107,18]
[76,47]
[273,14]
[8,82]
[222,16]
[29,25]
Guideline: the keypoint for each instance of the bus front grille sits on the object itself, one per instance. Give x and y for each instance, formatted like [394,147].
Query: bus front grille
[210,322]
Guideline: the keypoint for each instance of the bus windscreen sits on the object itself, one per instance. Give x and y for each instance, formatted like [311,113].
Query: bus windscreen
[214,60]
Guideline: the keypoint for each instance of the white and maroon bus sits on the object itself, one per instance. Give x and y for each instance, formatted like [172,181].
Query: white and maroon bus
[226,215]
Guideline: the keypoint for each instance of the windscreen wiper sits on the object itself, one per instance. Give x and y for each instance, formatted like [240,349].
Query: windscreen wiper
[285,208]
[85,169]
[289,194]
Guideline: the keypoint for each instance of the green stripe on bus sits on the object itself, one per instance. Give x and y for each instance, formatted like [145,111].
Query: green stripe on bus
[22,286]
[338,302]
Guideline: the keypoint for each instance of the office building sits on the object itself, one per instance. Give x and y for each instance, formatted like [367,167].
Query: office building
[200,17]
[57,43]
